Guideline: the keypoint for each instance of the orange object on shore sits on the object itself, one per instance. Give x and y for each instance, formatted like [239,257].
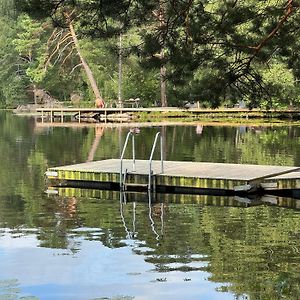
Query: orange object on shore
[99,103]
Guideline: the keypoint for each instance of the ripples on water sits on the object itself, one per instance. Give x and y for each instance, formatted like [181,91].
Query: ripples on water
[89,245]
[189,250]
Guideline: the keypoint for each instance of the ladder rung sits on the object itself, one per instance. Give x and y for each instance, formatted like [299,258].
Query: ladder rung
[136,184]
[135,187]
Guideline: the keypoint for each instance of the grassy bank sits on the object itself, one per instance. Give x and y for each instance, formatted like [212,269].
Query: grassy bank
[222,115]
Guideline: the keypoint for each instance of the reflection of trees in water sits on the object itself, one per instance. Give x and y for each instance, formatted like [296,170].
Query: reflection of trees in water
[232,244]
[252,250]
[56,234]
[273,145]
[98,134]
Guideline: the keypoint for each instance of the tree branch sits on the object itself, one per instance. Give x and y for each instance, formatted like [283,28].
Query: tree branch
[60,52]
[79,65]
[67,56]
[57,49]
[289,10]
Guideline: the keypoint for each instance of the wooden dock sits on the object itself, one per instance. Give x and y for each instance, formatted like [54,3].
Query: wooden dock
[104,114]
[98,113]
[178,177]
[285,183]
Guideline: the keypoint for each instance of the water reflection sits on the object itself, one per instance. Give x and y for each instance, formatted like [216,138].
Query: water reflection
[153,210]
[227,250]
[99,130]
[122,204]
[272,144]
[89,244]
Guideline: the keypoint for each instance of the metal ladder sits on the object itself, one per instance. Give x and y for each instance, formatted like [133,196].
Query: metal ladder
[123,175]
[151,159]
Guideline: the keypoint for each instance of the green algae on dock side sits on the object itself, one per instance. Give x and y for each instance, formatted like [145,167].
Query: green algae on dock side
[178,175]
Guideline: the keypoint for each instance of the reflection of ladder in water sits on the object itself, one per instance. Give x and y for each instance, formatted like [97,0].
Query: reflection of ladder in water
[150,176]
[132,233]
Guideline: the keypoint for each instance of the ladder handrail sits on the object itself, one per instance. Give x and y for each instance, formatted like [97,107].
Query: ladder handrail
[131,133]
[123,153]
[151,157]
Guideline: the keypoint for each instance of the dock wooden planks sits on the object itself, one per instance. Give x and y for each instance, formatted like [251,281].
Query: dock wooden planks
[289,181]
[179,175]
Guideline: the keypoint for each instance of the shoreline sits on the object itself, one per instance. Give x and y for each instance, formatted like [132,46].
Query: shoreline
[165,115]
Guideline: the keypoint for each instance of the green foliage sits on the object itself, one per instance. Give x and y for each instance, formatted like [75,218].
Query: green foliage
[103,57]
[13,87]
[140,84]
[215,52]
[28,37]
[21,54]
[7,9]
[281,83]
[31,48]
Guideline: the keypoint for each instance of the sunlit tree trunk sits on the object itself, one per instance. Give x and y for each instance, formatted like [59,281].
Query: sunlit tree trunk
[99,102]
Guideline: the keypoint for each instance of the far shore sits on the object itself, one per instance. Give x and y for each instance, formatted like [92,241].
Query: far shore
[164,114]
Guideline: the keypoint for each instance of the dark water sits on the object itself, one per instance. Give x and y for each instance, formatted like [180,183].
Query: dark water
[86,245]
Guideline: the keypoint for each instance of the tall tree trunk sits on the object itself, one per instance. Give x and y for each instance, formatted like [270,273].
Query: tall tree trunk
[120,104]
[99,102]
[163,85]
[163,69]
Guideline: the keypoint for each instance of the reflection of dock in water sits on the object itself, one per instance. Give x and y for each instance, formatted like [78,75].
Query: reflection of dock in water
[180,177]
[207,200]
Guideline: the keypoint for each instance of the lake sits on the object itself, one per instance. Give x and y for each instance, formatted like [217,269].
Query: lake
[87,244]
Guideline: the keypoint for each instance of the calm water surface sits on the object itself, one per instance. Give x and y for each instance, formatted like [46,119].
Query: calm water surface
[83,244]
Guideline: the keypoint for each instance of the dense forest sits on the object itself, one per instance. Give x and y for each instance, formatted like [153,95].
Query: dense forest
[164,52]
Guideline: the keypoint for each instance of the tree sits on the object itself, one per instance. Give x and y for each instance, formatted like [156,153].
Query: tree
[65,17]
[213,50]
[13,82]
[28,43]
[99,102]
